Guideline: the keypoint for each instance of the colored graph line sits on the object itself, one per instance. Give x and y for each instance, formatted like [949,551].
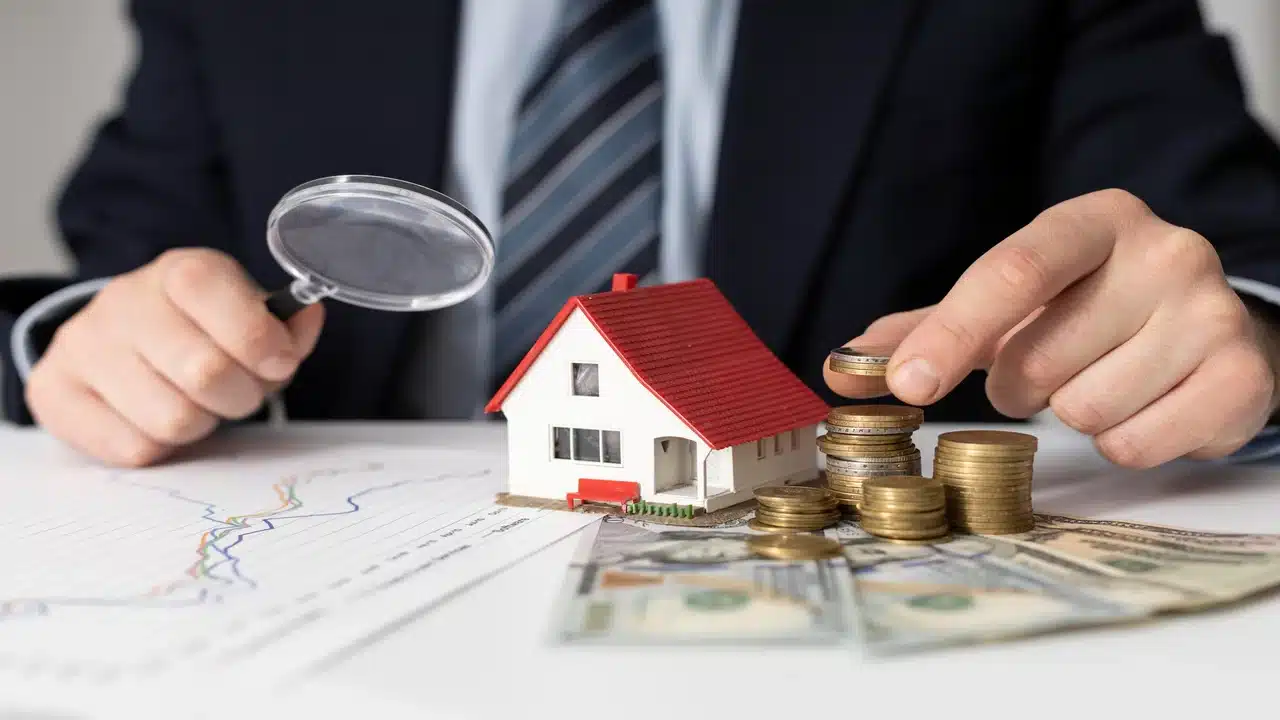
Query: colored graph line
[210,554]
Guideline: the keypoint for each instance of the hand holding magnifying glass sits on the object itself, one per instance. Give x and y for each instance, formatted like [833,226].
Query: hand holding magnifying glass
[163,354]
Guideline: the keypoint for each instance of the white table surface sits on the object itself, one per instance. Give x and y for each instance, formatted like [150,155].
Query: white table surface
[483,654]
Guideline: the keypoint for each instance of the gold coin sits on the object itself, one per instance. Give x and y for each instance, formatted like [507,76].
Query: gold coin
[975,463]
[900,508]
[988,442]
[755,524]
[868,430]
[794,547]
[798,514]
[908,519]
[865,353]
[950,478]
[903,486]
[876,415]
[961,470]
[925,534]
[854,444]
[791,494]
[959,494]
[808,522]
[838,448]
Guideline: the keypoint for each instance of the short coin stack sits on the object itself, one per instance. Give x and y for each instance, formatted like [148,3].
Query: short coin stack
[871,362]
[794,509]
[987,476]
[864,441]
[905,507]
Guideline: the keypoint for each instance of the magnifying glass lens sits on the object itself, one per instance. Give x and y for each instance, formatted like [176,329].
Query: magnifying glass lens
[379,243]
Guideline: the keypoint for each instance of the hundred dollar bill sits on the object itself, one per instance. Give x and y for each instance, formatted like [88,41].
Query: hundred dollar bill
[636,582]
[1066,573]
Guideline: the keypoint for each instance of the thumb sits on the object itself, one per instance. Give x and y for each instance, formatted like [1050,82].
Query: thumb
[880,338]
[305,326]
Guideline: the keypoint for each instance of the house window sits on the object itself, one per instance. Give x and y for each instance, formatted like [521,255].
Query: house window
[795,443]
[586,445]
[777,444]
[612,446]
[586,379]
[560,443]
[760,449]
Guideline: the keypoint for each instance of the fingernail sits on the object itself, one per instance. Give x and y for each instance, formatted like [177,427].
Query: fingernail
[276,367]
[917,379]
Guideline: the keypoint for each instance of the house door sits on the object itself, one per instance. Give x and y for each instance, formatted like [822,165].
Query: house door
[674,463]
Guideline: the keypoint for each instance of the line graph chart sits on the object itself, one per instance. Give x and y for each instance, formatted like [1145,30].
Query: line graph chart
[272,564]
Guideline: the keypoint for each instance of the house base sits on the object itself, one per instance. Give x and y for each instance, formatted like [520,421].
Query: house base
[737,511]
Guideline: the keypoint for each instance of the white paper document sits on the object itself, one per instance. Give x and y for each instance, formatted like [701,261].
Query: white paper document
[267,567]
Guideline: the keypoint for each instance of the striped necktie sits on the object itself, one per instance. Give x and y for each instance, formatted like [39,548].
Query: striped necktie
[582,195]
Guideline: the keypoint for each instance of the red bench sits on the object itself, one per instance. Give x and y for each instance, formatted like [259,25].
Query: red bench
[618,491]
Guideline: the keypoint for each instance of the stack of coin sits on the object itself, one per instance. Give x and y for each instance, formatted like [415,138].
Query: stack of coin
[987,476]
[865,441]
[794,547]
[794,508]
[870,362]
[904,507]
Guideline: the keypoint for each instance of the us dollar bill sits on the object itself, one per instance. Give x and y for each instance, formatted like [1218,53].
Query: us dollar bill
[1066,573]
[637,582]
[640,582]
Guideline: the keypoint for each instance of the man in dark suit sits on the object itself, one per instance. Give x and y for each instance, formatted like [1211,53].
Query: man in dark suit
[1069,194]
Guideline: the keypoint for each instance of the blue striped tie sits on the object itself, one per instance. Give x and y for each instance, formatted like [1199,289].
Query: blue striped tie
[582,199]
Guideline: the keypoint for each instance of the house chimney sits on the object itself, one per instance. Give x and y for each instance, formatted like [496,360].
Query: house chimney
[623,282]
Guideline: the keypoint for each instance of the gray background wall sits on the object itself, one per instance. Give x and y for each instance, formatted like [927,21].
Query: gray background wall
[62,63]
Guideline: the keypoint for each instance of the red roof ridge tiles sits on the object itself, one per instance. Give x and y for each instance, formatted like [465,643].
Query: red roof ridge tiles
[689,347]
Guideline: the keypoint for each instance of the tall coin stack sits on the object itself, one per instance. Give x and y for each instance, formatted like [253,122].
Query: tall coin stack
[904,508]
[794,509]
[865,441]
[987,476]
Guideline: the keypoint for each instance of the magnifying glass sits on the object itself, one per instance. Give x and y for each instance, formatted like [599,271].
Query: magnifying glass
[377,243]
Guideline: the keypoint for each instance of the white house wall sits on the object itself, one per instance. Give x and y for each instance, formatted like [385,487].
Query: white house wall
[792,465]
[544,398]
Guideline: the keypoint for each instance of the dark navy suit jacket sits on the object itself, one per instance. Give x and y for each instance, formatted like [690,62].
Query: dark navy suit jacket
[872,149]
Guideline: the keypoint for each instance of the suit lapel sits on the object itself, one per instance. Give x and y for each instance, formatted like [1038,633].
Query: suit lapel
[802,96]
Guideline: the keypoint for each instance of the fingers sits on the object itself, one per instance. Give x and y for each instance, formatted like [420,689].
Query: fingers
[1212,413]
[71,411]
[1084,323]
[189,360]
[1002,288]
[1172,344]
[212,290]
[881,337]
[137,393]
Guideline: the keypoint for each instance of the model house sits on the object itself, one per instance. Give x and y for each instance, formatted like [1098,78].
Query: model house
[662,392]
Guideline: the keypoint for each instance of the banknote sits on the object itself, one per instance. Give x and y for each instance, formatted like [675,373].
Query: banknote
[639,582]
[1066,573]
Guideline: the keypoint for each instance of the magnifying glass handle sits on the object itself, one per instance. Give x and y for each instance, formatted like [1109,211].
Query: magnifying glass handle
[283,304]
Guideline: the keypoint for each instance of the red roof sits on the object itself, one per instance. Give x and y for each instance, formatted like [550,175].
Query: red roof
[688,346]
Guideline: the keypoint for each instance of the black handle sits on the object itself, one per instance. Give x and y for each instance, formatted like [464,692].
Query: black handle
[283,304]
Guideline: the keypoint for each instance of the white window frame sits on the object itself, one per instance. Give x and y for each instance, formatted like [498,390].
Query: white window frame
[573,445]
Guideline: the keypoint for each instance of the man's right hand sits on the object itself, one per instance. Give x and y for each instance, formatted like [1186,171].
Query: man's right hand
[161,355]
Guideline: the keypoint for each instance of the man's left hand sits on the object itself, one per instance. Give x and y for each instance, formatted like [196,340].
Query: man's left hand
[1120,322]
